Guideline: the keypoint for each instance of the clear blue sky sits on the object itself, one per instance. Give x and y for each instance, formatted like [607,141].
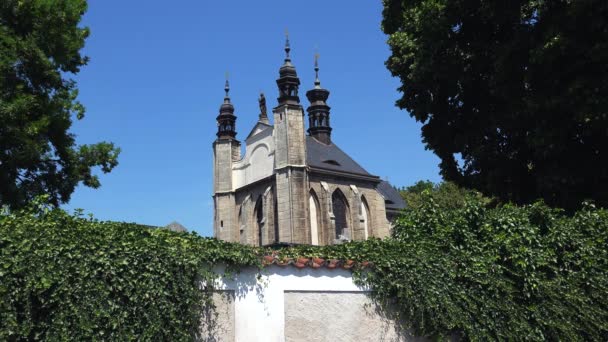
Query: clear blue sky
[155,83]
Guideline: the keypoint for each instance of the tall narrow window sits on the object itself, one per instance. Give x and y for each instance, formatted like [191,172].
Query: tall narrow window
[340,210]
[259,219]
[313,207]
[365,217]
[276,220]
[242,236]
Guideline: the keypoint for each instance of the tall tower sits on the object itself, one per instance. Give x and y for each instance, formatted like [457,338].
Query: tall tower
[318,112]
[226,150]
[290,157]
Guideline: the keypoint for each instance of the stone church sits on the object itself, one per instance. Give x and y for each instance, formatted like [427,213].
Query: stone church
[290,187]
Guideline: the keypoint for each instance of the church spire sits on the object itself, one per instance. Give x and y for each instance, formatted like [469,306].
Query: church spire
[288,81]
[317,82]
[226,120]
[318,111]
[227,90]
[287,48]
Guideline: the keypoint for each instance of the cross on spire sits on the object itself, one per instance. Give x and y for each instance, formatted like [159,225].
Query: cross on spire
[288,81]
[287,47]
[317,81]
[226,120]
[227,89]
[318,112]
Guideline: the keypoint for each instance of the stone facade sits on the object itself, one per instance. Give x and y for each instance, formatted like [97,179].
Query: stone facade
[290,187]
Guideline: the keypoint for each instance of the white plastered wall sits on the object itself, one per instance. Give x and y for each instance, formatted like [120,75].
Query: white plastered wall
[259,304]
[258,161]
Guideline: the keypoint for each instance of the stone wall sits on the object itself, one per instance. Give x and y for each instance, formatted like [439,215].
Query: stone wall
[224,221]
[355,192]
[247,226]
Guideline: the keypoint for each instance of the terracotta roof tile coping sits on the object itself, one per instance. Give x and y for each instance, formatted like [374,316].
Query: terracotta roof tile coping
[315,263]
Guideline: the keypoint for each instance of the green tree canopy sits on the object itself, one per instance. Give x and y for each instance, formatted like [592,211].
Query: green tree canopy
[516,89]
[40,43]
[446,195]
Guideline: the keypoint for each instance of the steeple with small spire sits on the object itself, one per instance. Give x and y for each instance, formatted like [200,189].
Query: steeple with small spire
[288,81]
[226,120]
[318,111]
[226,150]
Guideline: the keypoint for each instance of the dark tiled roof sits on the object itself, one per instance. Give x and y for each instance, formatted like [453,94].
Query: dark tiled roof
[392,198]
[331,157]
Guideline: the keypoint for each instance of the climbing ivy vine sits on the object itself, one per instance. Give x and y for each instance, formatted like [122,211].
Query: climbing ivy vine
[505,273]
[71,278]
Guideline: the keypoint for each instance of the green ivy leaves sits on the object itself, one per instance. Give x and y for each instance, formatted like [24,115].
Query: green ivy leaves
[65,277]
[505,273]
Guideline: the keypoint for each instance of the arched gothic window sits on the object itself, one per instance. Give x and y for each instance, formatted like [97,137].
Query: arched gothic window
[315,222]
[276,220]
[365,217]
[341,214]
[242,236]
[259,219]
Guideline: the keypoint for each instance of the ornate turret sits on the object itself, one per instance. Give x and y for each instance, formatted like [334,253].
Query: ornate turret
[288,81]
[318,112]
[226,121]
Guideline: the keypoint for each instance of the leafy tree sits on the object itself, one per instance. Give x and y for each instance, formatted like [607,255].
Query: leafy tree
[446,195]
[40,43]
[516,89]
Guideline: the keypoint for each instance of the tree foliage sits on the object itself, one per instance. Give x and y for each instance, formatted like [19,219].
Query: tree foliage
[70,278]
[446,194]
[40,43]
[516,89]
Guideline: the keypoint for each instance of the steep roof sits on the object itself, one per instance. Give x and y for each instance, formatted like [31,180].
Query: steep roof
[392,198]
[331,157]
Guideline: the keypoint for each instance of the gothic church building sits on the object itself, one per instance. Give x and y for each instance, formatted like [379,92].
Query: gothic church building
[292,187]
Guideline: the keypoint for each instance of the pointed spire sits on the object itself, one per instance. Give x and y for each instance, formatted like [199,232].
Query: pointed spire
[318,111]
[287,48]
[227,90]
[288,81]
[317,82]
[226,120]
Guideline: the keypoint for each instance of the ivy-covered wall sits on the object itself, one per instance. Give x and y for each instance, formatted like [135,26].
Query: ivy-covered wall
[71,278]
[505,273]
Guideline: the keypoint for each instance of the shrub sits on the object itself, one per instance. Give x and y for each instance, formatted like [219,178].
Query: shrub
[65,277]
[505,273]
[508,273]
